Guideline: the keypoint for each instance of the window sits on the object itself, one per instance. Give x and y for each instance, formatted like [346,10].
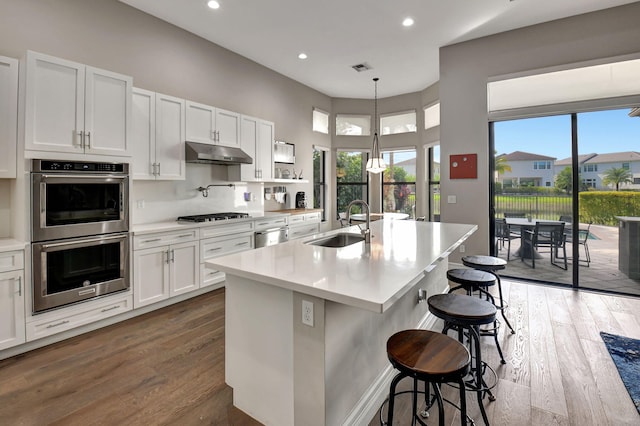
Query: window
[589,183]
[542,165]
[351,176]
[625,166]
[590,167]
[319,180]
[353,125]
[399,182]
[636,181]
[320,121]
[432,116]
[403,122]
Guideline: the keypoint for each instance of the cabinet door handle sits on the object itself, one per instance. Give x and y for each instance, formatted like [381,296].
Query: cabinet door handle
[214,249]
[152,240]
[58,324]
[173,256]
[79,138]
[184,235]
[158,173]
[110,309]
[213,135]
[19,286]
[88,140]
[217,135]
[242,244]
[168,258]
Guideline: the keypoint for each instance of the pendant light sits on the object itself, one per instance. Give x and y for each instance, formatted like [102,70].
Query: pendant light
[375,164]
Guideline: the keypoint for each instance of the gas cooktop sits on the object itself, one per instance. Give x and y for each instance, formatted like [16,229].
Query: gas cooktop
[212,217]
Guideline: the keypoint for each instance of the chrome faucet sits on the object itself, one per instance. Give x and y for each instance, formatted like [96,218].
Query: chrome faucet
[366,233]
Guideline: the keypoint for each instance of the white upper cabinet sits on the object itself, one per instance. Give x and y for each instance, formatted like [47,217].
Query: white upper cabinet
[70,107]
[8,116]
[207,124]
[257,141]
[158,126]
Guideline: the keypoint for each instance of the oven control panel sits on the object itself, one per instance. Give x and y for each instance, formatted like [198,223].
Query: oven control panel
[78,167]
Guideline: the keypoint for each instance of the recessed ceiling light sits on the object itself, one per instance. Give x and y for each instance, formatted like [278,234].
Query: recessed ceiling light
[302,56]
[213,4]
[407,22]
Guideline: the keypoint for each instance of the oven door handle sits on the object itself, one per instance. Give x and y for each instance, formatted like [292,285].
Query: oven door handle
[83,241]
[80,177]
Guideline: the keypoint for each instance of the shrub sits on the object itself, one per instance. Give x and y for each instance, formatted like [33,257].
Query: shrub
[601,207]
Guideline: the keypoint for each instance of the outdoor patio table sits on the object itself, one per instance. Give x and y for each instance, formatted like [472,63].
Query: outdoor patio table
[526,224]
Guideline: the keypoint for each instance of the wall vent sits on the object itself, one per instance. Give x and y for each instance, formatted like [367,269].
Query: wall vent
[361,67]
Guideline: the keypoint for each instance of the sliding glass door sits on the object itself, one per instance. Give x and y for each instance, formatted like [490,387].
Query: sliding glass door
[580,172]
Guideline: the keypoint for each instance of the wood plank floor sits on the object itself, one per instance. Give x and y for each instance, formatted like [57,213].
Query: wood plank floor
[167,368]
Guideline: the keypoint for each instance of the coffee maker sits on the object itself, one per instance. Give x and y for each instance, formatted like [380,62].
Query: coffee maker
[301,200]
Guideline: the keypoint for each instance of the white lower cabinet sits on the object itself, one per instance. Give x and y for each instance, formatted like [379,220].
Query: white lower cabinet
[303,225]
[218,241]
[165,265]
[68,318]
[12,319]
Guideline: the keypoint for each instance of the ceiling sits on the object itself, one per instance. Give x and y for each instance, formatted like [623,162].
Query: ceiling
[337,34]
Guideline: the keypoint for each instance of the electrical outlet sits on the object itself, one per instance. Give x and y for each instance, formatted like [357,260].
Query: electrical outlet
[140,204]
[307,313]
[462,248]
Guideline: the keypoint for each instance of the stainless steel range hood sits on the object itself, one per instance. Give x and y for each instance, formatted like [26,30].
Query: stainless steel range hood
[215,154]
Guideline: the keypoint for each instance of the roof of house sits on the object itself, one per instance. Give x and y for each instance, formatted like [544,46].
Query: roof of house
[581,159]
[524,156]
[615,157]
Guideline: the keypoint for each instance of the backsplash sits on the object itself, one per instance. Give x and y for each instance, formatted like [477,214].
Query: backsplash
[157,201]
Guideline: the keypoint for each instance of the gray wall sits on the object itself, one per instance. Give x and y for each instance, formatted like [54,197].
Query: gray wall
[466,68]
[163,58]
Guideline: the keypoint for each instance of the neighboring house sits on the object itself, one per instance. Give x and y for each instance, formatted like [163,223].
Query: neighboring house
[593,167]
[527,169]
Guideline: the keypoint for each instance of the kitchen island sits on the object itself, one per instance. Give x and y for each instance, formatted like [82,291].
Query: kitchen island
[326,364]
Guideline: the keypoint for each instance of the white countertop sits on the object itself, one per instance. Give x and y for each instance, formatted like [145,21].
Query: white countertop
[369,277]
[9,244]
[172,225]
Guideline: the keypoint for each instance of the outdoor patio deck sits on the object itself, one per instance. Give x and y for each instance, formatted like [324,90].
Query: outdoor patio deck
[602,273]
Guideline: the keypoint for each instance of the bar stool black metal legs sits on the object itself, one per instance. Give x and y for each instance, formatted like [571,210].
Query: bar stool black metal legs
[432,358]
[492,265]
[475,281]
[466,314]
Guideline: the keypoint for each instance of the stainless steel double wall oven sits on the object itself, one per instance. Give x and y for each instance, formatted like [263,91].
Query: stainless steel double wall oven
[80,231]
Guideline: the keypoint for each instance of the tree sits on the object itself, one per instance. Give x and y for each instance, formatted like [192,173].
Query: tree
[501,165]
[564,180]
[616,176]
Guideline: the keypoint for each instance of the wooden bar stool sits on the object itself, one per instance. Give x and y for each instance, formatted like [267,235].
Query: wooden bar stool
[492,265]
[433,358]
[472,281]
[466,314]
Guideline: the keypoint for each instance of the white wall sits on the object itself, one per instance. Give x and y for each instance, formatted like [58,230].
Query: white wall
[465,69]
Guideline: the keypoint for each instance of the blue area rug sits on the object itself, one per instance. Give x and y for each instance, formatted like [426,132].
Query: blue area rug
[626,356]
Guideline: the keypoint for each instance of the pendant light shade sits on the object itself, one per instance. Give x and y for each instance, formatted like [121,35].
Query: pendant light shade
[376,164]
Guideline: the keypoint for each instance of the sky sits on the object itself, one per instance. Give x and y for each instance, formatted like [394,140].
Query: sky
[598,132]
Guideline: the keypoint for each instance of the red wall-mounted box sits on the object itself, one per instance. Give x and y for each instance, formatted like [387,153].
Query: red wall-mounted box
[463,166]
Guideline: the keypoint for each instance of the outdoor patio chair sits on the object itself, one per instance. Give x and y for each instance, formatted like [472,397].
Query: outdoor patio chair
[583,239]
[504,234]
[545,234]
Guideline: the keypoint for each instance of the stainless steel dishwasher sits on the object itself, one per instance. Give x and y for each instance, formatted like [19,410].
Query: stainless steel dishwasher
[269,237]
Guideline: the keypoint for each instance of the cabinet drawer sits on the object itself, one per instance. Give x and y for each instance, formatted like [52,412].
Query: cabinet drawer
[215,247]
[296,218]
[312,217]
[210,276]
[161,239]
[11,260]
[77,316]
[265,223]
[221,230]
[303,231]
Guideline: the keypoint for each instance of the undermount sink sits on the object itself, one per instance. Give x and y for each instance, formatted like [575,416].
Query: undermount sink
[342,239]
